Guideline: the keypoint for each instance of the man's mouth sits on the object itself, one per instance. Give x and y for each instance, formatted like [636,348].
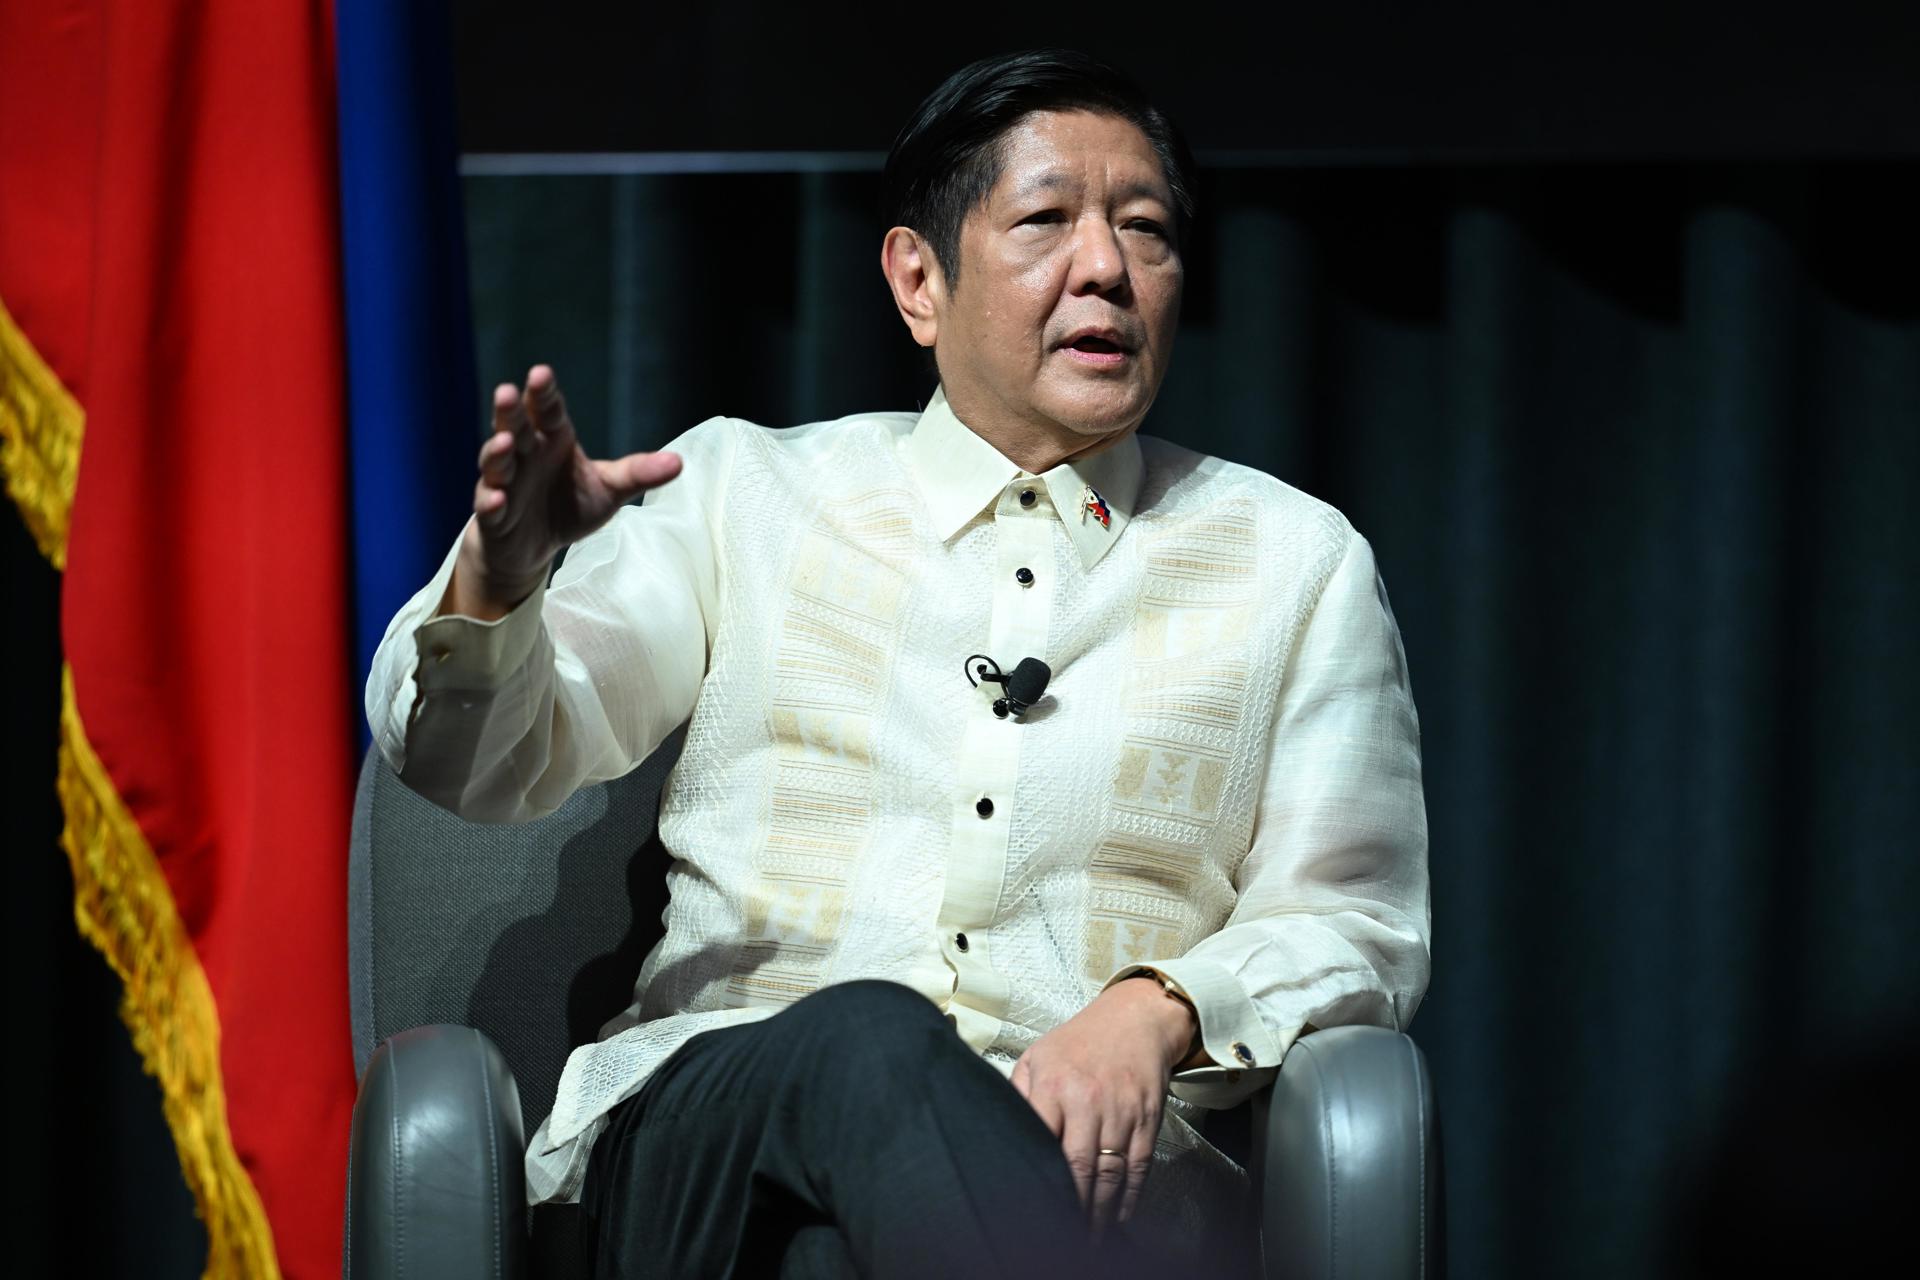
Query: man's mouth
[1097,348]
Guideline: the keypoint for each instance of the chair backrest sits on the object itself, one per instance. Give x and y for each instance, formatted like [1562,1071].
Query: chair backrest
[533,933]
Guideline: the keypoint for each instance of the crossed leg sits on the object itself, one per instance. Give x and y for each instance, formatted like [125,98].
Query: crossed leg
[853,1134]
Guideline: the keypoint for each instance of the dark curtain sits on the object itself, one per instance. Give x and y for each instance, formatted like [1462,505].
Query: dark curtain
[1636,447]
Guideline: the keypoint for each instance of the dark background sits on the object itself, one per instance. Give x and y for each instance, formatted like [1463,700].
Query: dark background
[1603,327]
[1384,80]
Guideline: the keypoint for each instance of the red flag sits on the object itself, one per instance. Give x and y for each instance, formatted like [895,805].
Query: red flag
[168,244]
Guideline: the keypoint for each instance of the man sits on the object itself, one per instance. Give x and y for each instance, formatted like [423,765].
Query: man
[1206,837]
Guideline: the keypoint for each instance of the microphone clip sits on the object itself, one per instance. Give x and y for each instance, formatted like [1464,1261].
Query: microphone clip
[1010,703]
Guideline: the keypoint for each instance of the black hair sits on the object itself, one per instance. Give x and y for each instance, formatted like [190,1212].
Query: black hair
[947,158]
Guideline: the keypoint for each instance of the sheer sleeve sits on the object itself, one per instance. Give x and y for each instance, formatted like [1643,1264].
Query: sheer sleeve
[502,721]
[1332,921]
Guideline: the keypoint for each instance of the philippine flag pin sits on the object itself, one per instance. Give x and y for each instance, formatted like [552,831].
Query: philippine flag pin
[1097,506]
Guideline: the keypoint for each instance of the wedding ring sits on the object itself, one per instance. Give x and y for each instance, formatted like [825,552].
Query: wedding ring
[1109,1151]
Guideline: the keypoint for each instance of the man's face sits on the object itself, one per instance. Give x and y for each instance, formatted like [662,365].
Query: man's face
[1069,289]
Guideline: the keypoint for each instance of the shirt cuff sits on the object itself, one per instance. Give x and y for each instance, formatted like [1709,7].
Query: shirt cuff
[457,652]
[1231,1031]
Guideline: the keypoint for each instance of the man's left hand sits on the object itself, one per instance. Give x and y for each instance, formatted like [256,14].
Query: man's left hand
[1099,1081]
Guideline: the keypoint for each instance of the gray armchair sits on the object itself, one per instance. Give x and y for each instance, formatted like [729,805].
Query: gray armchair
[481,955]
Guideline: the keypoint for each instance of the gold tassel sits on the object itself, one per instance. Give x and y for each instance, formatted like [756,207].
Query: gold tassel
[122,905]
[121,901]
[39,440]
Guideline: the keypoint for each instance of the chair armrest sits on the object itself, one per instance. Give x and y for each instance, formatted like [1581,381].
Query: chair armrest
[1347,1160]
[435,1183]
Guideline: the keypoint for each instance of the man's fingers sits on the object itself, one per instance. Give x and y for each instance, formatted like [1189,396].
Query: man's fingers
[650,470]
[495,444]
[548,407]
[1139,1165]
[506,399]
[497,460]
[487,499]
[510,416]
[1111,1162]
[637,472]
[1080,1140]
[1047,1107]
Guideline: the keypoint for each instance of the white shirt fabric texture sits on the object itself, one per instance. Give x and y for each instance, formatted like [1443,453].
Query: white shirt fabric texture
[1221,783]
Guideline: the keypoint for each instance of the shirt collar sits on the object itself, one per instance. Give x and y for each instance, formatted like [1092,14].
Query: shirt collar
[959,474]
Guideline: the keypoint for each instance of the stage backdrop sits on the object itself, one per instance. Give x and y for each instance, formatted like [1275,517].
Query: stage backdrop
[1636,447]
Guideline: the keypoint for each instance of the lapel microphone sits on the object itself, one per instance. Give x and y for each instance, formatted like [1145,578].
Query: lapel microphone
[1024,687]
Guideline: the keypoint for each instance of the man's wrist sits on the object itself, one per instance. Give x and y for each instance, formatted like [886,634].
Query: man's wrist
[487,603]
[473,592]
[1172,1013]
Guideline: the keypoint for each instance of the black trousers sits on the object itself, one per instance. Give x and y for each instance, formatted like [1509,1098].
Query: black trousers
[853,1134]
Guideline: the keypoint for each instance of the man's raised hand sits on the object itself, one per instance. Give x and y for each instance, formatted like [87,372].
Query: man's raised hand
[538,492]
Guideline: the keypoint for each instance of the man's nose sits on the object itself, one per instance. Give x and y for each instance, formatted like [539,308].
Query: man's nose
[1099,265]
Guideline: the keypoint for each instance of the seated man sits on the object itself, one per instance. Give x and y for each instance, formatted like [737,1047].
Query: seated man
[936,958]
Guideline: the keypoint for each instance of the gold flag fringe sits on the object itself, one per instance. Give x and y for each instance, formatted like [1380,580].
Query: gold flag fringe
[123,906]
[121,901]
[39,440]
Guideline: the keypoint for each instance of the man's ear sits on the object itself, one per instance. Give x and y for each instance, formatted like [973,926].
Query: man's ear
[913,273]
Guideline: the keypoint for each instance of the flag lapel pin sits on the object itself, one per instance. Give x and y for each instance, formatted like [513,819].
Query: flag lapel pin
[1097,506]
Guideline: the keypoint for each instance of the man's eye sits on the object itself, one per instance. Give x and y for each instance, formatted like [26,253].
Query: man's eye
[1150,227]
[1042,218]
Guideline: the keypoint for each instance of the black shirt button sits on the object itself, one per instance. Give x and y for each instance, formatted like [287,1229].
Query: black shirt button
[960,942]
[1023,576]
[1026,497]
[983,807]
